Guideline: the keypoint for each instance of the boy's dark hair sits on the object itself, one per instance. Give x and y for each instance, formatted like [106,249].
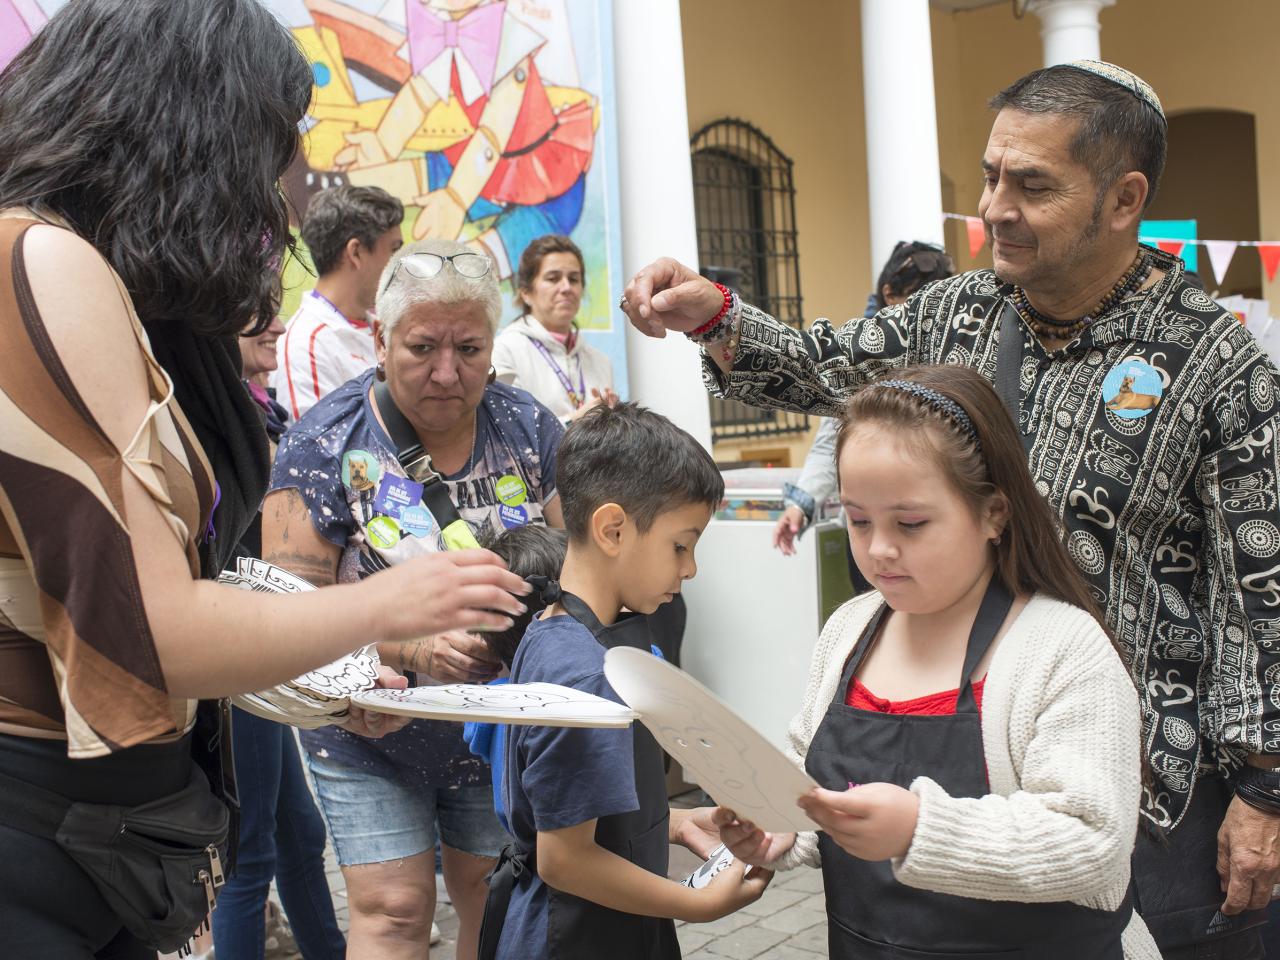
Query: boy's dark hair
[534,550]
[336,215]
[635,458]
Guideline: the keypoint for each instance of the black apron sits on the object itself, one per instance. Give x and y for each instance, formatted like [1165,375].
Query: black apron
[578,929]
[871,914]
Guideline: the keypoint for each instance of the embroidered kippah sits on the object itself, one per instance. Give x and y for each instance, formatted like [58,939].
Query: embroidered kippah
[1125,78]
[943,404]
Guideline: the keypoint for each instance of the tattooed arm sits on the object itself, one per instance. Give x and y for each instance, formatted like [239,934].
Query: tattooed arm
[290,540]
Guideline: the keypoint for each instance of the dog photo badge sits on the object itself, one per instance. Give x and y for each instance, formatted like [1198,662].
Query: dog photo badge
[1132,389]
[360,471]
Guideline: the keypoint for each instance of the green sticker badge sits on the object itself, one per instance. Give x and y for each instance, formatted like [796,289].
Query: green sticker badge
[511,490]
[384,532]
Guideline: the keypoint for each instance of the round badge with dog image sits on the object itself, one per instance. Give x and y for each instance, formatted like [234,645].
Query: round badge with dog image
[1132,389]
[360,471]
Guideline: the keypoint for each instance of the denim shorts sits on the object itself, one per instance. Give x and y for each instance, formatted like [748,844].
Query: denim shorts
[374,818]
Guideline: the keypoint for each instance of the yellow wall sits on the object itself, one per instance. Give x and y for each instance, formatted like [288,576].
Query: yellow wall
[799,79]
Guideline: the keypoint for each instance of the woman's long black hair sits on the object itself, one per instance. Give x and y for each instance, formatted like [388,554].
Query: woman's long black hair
[160,129]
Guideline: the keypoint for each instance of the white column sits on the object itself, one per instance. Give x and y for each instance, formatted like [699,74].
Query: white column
[902,132]
[657,197]
[1070,29]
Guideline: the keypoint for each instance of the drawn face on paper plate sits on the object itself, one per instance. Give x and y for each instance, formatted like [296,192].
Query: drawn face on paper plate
[1132,389]
[360,470]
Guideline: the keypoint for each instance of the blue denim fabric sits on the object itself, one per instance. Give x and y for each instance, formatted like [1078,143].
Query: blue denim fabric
[378,813]
[281,836]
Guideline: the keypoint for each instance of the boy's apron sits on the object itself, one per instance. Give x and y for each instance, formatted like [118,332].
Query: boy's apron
[578,929]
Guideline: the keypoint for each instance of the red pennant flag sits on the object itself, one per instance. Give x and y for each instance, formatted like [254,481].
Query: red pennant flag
[1270,254]
[977,235]
[1171,246]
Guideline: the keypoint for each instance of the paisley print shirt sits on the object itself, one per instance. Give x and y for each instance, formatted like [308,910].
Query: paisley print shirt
[1154,438]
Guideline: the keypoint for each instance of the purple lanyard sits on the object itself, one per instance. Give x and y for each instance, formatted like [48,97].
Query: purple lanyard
[578,398]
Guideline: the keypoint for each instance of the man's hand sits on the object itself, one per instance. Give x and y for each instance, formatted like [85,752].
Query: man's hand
[370,723]
[789,526]
[667,295]
[876,821]
[1248,857]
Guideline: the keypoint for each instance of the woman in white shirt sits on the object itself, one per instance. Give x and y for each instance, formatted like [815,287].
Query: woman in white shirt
[542,351]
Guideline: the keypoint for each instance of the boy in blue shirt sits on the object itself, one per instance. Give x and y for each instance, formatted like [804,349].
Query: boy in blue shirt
[586,877]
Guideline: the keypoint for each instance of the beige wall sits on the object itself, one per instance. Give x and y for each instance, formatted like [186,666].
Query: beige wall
[799,78]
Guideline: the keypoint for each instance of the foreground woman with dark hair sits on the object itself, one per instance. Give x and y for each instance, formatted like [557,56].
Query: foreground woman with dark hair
[141,142]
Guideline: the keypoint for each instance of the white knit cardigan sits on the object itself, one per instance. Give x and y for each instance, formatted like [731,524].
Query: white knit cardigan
[1060,733]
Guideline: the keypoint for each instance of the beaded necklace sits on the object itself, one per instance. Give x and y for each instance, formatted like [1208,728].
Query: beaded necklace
[1043,326]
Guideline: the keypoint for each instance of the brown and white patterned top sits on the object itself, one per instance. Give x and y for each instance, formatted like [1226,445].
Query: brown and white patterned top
[77,658]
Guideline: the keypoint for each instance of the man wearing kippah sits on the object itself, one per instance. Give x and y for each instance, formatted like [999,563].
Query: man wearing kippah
[1151,425]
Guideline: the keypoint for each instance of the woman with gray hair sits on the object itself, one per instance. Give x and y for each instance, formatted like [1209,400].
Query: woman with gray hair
[358,485]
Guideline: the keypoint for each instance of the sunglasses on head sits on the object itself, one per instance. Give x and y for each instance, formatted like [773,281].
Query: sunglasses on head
[424,266]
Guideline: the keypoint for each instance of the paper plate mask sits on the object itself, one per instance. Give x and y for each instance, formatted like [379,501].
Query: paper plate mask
[319,697]
[719,750]
[521,704]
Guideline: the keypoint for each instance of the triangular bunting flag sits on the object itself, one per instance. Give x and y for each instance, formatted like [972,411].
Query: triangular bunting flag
[977,235]
[1220,254]
[1171,246]
[1270,254]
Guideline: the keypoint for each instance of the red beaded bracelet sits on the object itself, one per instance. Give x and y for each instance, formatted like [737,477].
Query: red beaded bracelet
[728,303]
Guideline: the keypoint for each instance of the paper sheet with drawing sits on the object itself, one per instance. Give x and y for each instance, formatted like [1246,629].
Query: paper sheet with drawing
[719,750]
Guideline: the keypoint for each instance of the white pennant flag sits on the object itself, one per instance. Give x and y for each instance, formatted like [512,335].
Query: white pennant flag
[1220,254]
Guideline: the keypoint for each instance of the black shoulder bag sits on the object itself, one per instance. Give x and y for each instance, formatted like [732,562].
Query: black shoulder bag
[158,865]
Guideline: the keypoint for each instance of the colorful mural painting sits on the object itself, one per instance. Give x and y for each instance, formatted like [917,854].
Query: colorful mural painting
[491,120]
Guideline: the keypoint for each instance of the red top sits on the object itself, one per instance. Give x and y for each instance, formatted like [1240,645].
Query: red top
[932,705]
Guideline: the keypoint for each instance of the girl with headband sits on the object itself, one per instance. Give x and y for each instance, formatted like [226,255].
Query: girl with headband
[973,731]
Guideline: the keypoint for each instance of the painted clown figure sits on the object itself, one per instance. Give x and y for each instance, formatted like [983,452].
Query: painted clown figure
[490,153]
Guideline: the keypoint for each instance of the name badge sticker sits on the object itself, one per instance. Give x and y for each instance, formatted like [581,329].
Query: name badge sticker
[512,517]
[417,521]
[395,494]
[383,532]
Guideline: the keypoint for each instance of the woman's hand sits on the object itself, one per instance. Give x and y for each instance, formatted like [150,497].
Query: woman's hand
[667,295]
[747,842]
[370,723]
[789,526]
[875,821]
[439,592]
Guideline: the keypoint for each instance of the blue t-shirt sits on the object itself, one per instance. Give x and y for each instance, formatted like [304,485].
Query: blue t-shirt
[557,777]
[344,466]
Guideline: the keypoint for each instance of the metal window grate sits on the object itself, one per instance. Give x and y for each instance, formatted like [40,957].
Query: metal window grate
[745,207]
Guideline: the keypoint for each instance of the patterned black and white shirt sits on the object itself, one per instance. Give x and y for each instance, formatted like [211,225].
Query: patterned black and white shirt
[1154,438]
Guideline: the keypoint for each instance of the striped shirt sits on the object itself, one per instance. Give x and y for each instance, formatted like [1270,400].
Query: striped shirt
[77,659]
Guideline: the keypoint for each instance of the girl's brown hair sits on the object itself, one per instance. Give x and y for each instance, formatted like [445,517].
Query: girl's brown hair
[531,263]
[1030,557]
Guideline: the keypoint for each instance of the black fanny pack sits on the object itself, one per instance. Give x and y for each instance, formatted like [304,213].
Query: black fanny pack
[158,865]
